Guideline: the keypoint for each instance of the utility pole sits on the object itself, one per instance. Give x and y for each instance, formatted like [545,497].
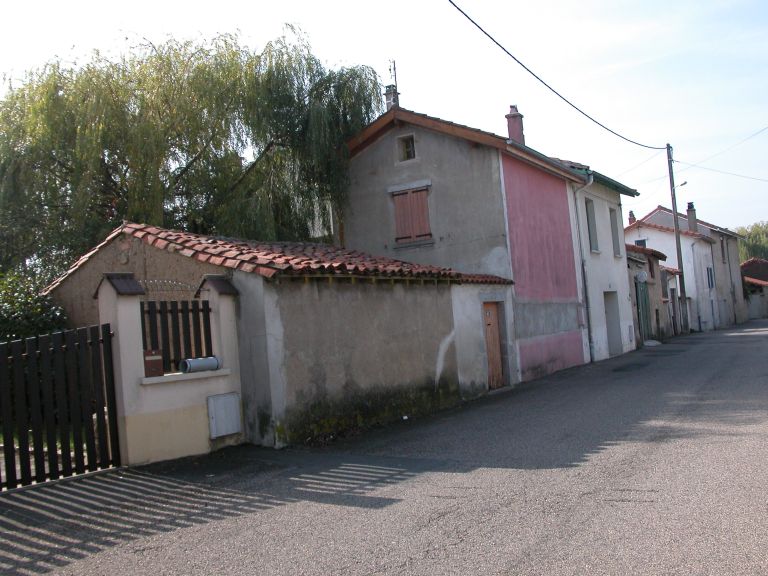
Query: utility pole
[684,307]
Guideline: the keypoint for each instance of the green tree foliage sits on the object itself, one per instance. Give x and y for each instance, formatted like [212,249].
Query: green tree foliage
[209,137]
[755,241]
[24,311]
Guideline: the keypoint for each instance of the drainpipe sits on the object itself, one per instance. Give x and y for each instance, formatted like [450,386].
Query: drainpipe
[590,179]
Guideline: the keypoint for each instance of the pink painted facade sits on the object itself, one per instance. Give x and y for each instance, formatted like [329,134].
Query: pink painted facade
[546,354]
[540,237]
[542,257]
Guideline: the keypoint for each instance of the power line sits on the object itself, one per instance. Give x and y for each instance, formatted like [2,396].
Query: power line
[721,171]
[563,98]
[739,143]
[641,163]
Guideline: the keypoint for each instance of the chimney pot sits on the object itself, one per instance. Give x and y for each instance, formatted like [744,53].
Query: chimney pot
[693,224]
[515,125]
[632,218]
[392,96]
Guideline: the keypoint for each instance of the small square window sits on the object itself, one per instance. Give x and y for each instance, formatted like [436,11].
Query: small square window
[406,148]
[641,243]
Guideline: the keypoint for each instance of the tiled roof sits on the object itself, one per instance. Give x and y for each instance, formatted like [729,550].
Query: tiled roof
[281,258]
[755,268]
[641,224]
[669,270]
[680,215]
[520,151]
[755,281]
[646,251]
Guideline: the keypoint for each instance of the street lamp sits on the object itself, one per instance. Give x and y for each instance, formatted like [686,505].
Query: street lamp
[684,308]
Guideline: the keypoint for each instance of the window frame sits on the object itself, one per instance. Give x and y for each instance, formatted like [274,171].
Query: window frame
[589,206]
[613,215]
[403,148]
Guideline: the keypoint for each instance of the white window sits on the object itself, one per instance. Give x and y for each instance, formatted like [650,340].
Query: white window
[591,227]
[615,232]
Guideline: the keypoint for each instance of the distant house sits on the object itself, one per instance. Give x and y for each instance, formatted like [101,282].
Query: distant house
[327,338]
[755,274]
[653,316]
[710,264]
[431,191]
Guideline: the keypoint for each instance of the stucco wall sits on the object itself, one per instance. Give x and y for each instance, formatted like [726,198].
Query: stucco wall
[605,272]
[361,353]
[124,254]
[469,326]
[465,205]
[547,307]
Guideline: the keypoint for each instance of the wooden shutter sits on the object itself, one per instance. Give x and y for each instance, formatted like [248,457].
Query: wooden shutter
[402,217]
[420,215]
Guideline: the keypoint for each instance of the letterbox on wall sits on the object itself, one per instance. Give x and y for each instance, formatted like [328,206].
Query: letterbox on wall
[224,414]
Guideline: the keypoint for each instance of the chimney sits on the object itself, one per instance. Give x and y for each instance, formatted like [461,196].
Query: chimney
[392,96]
[515,125]
[693,224]
[632,218]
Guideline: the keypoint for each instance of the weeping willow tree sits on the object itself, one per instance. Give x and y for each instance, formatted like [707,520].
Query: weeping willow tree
[209,137]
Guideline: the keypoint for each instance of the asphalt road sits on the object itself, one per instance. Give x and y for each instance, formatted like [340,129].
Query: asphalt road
[652,463]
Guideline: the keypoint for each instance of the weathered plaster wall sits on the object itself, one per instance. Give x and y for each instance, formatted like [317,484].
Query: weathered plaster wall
[546,311]
[124,254]
[471,351]
[359,354]
[605,271]
[261,354]
[465,205]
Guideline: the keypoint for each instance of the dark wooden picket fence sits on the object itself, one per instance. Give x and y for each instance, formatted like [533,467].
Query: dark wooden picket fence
[179,329]
[57,406]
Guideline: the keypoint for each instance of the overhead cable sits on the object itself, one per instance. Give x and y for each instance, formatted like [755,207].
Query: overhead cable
[563,98]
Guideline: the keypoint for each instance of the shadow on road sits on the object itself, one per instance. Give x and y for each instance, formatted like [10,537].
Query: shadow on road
[654,395]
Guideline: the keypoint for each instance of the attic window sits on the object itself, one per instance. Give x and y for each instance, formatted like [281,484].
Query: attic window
[641,243]
[406,148]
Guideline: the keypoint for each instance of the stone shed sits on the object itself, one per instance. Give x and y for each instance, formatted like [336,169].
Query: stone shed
[328,339]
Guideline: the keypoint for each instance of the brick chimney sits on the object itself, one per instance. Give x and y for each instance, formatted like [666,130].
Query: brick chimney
[392,96]
[632,218]
[515,125]
[693,224]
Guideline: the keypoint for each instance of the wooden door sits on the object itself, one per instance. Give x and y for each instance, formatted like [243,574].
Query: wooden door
[493,344]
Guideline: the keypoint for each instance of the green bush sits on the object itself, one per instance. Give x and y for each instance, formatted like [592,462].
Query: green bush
[24,311]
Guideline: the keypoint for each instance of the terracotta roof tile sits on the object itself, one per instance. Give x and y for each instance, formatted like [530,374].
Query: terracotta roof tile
[755,281]
[286,258]
[755,268]
[646,251]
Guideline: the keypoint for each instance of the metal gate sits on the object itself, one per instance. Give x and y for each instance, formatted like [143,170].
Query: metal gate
[57,406]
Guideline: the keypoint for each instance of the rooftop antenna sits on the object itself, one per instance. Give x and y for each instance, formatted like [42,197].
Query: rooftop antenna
[390,91]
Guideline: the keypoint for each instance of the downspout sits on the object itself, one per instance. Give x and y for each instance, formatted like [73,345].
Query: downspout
[590,179]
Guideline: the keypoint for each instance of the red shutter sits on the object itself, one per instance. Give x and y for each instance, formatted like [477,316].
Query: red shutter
[402,217]
[420,215]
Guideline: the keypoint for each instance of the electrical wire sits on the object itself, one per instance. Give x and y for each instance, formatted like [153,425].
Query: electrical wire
[721,171]
[563,98]
[641,163]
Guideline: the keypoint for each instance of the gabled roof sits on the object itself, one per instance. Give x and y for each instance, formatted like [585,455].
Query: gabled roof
[641,224]
[270,259]
[684,217]
[599,178]
[396,115]
[646,251]
[755,268]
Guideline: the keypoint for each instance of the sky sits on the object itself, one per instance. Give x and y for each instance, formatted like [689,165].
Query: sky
[690,73]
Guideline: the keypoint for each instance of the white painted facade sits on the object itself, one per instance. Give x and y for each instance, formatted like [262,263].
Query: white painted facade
[703,311]
[604,276]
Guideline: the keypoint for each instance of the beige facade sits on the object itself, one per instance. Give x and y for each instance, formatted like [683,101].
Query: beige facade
[171,277]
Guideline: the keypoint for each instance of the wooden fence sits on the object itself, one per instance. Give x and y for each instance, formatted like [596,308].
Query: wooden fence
[57,406]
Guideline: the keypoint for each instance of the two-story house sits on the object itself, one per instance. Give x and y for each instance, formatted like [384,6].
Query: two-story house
[710,264]
[431,191]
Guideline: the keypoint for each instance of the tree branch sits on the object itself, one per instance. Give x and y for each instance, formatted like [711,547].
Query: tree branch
[252,165]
